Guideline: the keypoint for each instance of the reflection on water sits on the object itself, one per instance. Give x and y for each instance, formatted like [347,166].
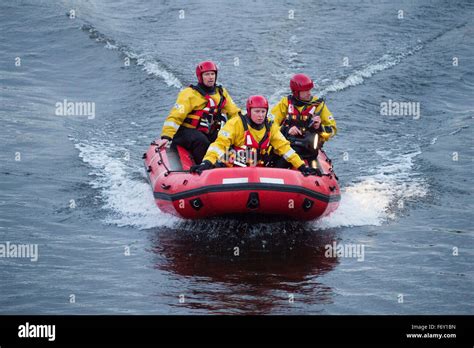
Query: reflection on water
[248,268]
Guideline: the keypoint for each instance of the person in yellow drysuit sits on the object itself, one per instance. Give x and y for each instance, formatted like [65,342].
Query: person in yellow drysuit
[198,113]
[253,136]
[300,115]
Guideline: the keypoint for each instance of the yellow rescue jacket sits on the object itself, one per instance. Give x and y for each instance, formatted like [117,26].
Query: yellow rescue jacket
[232,134]
[280,112]
[189,101]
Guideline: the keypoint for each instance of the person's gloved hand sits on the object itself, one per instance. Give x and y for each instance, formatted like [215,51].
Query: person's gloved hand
[294,131]
[163,142]
[199,168]
[309,170]
[316,122]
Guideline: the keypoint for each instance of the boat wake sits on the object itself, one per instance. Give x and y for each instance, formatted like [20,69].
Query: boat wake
[378,197]
[123,188]
[149,64]
[387,61]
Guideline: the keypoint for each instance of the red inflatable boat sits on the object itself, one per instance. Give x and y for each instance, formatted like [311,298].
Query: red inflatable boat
[236,190]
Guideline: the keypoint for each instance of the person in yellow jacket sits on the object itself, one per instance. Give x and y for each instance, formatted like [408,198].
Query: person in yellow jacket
[300,115]
[198,113]
[251,137]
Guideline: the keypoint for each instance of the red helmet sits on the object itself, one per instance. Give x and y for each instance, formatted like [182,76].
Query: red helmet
[256,101]
[300,82]
[203,67]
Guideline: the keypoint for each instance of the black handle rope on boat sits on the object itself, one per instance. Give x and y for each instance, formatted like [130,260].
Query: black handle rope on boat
[157,149]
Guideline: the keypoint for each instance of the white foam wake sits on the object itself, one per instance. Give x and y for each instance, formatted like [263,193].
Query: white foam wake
[358,76]
[130,201]
[376,198]
[150,65]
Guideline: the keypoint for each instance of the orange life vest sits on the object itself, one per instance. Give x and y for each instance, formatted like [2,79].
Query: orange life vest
[252,152]
[301,119]
[208,119]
